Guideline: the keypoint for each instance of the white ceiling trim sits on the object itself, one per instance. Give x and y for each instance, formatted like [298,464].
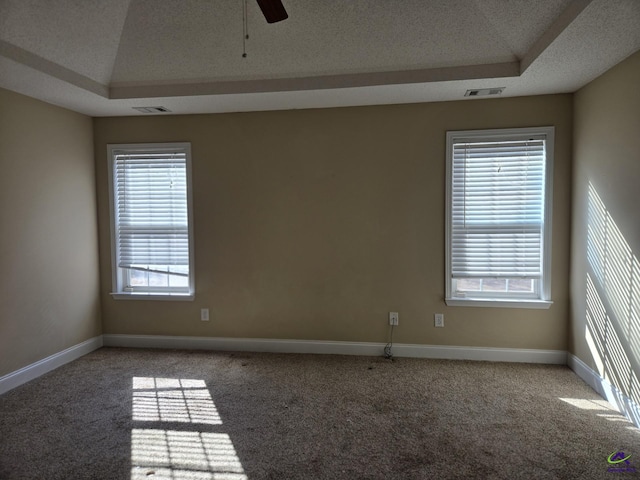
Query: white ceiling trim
[320,82]
[565,19]
[26,58]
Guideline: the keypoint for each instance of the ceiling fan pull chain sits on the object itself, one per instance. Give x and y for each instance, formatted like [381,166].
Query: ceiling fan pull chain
[245,29]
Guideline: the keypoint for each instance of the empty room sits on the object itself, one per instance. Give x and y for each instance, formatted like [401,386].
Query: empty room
[318,239]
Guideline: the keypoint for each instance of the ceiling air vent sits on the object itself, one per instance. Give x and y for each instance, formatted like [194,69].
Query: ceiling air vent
[152,109]
[483,92]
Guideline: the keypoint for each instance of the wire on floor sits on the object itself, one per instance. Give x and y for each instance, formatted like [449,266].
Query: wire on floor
[389,346]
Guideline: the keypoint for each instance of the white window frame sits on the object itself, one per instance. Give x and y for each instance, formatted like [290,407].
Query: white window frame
[118,274]
[542,298]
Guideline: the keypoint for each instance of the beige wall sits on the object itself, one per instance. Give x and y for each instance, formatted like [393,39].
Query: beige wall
[605,274]
[314,224]
[48,247]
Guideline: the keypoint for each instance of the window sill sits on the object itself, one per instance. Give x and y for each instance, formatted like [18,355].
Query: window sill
[498,303]
[176,297]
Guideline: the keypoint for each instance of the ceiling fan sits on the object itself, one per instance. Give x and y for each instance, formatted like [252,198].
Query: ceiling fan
[273,10]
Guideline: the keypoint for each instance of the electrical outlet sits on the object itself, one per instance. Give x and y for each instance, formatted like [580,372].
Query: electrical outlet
[204,314]
[439,319]
[393,318]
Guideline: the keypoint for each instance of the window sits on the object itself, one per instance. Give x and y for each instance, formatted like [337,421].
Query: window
[498,235]
[152,240]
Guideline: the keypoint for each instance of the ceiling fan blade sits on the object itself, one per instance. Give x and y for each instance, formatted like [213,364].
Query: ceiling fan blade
[273,10]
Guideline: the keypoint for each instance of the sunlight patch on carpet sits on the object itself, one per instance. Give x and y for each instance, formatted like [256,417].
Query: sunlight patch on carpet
[612,414]
[173,400]
[171,453]
[588,404]
[184,455]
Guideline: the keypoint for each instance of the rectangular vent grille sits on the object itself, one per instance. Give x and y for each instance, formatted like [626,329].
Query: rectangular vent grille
[483,92]
[152,109]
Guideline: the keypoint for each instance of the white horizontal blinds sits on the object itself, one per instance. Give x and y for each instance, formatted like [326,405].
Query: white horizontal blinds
[151,205]
[498,208]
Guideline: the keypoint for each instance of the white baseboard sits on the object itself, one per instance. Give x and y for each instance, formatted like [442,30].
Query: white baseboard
[519,355]
[56,360]
[609,392]
[30,372]
[339,348]
[243,344]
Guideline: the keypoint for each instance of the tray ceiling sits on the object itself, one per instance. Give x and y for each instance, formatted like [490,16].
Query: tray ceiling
[104,57]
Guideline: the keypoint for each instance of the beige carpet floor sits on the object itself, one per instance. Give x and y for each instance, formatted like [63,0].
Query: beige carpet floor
[163,414]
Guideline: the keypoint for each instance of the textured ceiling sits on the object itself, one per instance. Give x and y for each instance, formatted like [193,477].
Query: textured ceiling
[102,57]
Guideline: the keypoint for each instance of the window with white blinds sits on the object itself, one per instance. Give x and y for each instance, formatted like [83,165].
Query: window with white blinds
[151,226]
[498,213]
